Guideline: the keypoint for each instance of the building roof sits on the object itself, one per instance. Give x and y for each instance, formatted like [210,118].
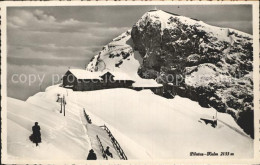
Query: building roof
[119,75]
[84,74]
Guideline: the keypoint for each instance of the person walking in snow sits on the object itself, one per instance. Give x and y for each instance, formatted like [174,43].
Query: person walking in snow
[36,136]
[92,155]
[108,152]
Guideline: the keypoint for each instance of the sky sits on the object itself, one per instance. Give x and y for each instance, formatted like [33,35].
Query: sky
[43,42]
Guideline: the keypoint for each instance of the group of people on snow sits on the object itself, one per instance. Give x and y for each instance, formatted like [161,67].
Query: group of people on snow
[92,155]
[36,138]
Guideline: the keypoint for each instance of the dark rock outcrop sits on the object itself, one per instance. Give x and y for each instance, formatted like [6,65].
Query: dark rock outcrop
[215,63]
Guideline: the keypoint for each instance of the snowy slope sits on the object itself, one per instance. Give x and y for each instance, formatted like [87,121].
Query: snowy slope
[165,128]
[120,50]
[119,56]
[145,125]
[62,137]
[57,131]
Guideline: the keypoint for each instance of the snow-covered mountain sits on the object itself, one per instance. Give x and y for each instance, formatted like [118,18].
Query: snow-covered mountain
[214,68]
[146,126]
[209,64]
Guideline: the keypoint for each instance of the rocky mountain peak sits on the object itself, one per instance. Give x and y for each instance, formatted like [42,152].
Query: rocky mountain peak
[209,64]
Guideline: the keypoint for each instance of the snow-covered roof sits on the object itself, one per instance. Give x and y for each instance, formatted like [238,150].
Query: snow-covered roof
[120,76]
[146,83]
[84,74]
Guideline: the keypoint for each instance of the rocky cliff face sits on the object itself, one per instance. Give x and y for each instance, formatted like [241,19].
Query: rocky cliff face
[209,64]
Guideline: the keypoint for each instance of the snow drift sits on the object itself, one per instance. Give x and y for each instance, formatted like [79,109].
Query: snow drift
[146,126]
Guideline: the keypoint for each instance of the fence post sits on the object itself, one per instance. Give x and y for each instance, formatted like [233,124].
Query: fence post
[64,104]
[61,105]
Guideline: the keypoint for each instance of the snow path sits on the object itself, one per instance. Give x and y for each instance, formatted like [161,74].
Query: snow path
[132,149]
[91,133]
[82,119]
[95,130]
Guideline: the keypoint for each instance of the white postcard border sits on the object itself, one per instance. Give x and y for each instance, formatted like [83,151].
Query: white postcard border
[4,157]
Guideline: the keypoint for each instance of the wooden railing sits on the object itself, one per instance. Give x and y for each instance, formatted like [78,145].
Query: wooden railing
[87,117]
[102,148]
[115,143]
